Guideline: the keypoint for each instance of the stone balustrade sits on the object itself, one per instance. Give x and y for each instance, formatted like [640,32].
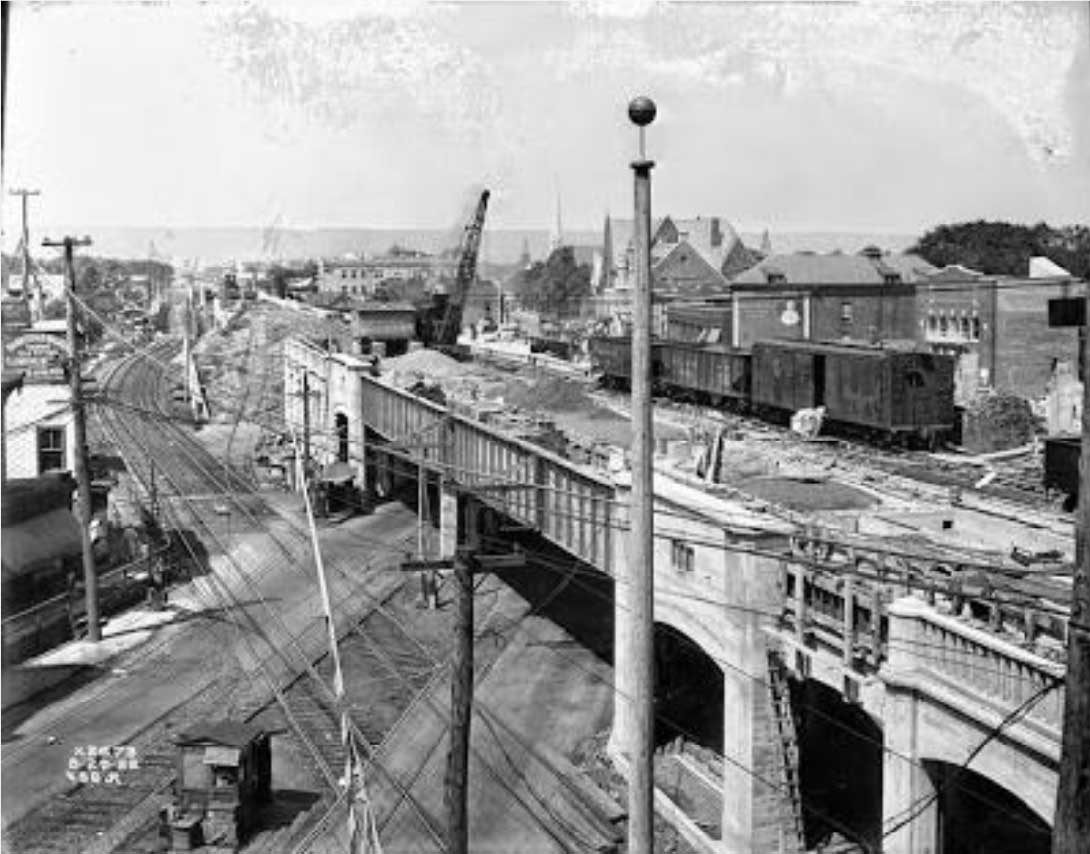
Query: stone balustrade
[974,660]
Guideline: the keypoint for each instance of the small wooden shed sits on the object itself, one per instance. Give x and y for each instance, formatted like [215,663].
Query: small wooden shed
[224,774]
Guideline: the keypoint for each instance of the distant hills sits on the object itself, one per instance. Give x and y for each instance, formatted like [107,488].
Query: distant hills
[212,245]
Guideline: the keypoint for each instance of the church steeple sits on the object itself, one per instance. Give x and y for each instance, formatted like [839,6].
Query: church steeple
[607,255]
[557,238]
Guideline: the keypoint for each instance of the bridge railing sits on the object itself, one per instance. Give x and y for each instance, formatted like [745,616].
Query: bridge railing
[974,661]
[573,507]
[837,591]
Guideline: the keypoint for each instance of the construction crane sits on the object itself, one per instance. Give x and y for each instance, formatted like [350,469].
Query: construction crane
[442,320]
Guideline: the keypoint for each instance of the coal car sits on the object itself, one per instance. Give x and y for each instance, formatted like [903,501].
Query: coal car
[706,374]
[612,357]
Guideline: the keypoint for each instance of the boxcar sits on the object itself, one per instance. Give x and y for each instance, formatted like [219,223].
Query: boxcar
[783,377]
[890,392]
[705,373]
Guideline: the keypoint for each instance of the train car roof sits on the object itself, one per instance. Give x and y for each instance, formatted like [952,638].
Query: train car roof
[854,348]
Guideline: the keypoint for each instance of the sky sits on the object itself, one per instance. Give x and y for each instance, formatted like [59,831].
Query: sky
[788,116]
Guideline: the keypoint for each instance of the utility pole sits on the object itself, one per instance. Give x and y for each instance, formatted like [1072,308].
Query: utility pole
[26,236]
[306,429]
[1071,828]
[641,555]
[79,427]
[456,783]
[467,561]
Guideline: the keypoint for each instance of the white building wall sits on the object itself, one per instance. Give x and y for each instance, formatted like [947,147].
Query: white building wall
[27,410]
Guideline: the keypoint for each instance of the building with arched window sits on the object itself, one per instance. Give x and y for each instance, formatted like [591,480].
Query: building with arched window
[999,324]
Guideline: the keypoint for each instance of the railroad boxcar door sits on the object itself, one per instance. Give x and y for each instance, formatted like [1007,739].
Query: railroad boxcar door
[818,371]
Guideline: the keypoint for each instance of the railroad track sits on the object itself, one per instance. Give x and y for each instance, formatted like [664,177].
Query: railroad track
[1017,481]
[186,474]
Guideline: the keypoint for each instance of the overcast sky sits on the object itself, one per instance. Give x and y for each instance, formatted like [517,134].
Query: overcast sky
[789,116]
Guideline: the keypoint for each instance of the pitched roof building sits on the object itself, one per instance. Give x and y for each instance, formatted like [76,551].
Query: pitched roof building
[688,256]
[871,266]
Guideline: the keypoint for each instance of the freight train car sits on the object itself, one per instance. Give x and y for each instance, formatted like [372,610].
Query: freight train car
[613,358]
[865,388]
[891,393]
[716,375]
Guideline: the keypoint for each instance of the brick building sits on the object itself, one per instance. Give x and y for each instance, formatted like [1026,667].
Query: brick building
[998,325]
[806,296]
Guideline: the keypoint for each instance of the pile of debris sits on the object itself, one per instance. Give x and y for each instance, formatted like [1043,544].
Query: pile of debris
[996,421]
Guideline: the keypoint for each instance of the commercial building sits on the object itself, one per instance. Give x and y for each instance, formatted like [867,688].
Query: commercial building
[361,277]
[998,326]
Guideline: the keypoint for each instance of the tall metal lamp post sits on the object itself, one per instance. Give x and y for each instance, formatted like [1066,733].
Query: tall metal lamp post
[640,641]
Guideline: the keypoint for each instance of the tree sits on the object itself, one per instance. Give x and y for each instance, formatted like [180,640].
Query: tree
[555,286]
[1002,248]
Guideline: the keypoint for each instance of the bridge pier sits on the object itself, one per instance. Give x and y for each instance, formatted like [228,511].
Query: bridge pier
[906,785]
[718,596]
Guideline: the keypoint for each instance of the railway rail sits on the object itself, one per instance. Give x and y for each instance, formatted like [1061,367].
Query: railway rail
[186,477]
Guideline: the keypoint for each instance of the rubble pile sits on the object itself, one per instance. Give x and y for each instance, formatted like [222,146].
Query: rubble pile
[996,422]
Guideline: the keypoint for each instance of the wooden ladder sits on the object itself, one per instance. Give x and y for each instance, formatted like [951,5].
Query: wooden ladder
[785,726]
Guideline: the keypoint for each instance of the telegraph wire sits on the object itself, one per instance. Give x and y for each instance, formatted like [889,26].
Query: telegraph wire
[764,683]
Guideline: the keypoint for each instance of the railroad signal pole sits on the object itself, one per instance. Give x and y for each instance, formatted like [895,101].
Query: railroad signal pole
[1071,828]
[641,568]
[79,429]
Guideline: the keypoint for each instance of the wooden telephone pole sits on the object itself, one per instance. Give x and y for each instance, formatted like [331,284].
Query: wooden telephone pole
[79,428]
[1071,828]
[466,562]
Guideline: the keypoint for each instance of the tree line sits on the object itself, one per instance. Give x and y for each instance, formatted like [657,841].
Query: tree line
[1003,248]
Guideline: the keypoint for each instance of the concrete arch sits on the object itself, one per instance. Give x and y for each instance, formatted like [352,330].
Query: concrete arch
[977,814]
[688,691]
[700,622]
[949,739]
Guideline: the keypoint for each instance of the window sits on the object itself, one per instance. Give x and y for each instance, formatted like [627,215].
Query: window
[846,312]
[50,449]
[777,278]
[682,556]
[943,325]
[344,274]
[976,328]
[892,278]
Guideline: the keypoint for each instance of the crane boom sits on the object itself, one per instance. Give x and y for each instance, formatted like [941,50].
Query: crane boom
[451,322]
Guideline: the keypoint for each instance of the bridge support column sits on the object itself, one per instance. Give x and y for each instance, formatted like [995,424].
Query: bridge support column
[906,785]
[752,772]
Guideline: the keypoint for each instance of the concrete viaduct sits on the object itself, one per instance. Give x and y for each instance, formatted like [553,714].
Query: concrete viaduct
[884,677]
